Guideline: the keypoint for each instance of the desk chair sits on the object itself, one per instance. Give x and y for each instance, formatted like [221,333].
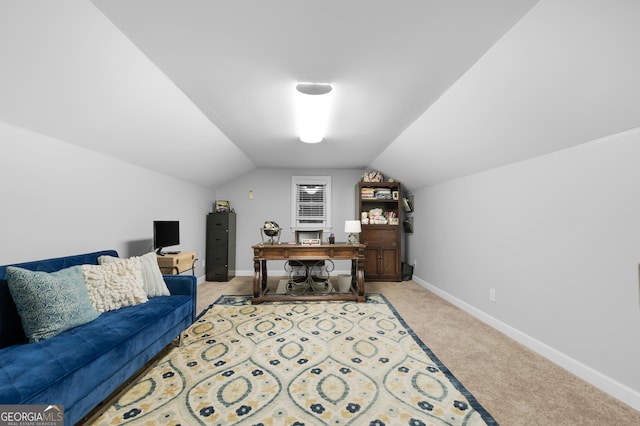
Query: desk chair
[305,275]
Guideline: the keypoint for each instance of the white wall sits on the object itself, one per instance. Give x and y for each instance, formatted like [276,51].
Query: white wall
[558,238]
[59,199]
[272,201]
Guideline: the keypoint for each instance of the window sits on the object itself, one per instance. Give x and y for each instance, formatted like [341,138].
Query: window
[311,202]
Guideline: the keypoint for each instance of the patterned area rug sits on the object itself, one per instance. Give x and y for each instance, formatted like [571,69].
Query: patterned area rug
[320,363]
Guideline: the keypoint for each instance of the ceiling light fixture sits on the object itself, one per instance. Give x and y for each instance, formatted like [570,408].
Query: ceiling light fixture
[312,106]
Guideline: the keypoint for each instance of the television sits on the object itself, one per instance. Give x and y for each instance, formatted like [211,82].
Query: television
[166,233]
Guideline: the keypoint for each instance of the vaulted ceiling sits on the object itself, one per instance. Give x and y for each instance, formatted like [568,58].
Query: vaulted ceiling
[425,90]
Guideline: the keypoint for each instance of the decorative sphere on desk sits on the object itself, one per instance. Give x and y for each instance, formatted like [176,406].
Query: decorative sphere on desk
[271,229]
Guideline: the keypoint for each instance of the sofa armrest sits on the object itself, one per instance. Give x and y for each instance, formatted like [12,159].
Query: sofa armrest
[186,285]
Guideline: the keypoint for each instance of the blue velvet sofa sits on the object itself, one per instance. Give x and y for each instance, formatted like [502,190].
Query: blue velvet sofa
[82,366]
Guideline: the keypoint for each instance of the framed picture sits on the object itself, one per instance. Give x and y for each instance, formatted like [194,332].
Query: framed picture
[407,204]
[407,224]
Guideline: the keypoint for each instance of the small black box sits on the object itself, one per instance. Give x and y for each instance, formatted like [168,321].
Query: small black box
[407,272]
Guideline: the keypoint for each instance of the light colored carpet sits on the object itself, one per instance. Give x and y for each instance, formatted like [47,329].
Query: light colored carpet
[516,385]
[318,363]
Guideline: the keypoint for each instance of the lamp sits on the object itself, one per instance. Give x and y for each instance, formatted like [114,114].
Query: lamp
[353,228]
[312,106]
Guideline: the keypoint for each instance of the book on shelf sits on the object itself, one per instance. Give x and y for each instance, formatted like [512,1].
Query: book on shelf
[383,194]
[376,194]
[367,193]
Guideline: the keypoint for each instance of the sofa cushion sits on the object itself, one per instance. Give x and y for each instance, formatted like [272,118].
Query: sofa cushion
[152,281]
[115,285]
[11,331]
[50,303]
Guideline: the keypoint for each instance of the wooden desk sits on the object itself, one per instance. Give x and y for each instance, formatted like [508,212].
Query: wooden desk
[177,263]
[264,252]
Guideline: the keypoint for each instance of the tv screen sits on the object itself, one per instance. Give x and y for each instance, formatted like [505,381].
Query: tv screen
[166,233]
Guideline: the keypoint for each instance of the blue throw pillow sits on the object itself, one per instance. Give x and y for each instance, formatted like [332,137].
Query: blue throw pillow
[50,303]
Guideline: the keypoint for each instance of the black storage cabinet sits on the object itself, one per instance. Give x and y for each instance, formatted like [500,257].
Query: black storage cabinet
[221,246]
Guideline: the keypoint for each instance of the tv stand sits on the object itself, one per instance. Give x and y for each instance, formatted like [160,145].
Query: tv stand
[174,263]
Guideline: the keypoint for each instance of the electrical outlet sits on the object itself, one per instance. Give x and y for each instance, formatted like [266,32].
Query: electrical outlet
[492,294]
[415,263]
[202,263]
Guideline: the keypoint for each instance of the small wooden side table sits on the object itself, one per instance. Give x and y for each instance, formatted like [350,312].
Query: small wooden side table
[177,263]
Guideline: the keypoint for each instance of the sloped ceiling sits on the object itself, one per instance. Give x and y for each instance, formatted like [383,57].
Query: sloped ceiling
[566,74]
[69,73]
[425,90]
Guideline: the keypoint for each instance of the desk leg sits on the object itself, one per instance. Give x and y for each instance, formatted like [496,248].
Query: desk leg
[360,285]
[264,276]
[256,278]
[359,270]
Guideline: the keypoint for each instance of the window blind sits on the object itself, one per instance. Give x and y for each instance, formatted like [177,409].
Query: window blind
[311,206]
[311,201]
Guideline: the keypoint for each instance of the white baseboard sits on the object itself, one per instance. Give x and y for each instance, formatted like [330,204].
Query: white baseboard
[605,383]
